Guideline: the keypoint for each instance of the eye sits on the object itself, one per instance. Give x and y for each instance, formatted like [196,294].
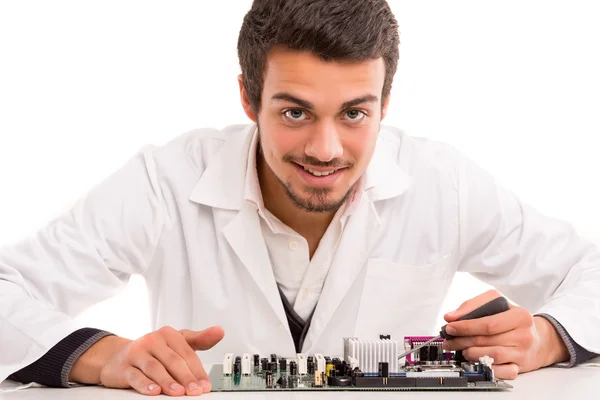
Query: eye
[295,115]
[355,115]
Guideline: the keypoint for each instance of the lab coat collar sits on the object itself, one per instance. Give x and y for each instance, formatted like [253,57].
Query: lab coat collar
[224,185]
[384,179]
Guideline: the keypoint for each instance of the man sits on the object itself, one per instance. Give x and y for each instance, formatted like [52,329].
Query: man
[312,223]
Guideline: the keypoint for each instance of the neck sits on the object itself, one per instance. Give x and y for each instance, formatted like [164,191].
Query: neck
[280,205]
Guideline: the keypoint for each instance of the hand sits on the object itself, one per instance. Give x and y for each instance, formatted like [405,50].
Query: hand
[163,361]
[517,341]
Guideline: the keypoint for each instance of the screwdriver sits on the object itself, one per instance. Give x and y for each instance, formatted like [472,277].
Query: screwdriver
[496,306]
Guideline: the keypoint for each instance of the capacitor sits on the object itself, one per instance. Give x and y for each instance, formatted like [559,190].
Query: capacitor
[291,382]
[345,370]
[264,363]
[273,367]
[256,360]
[282,365]
[293,368]
[273,357]
[384,370]
[328,367]
[237,368]
[310,359]
[310,366]
[331,378]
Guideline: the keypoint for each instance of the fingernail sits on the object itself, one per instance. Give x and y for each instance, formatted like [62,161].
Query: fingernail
[450,330]
[176,386]
[192,386]
[206,386]
[151,387]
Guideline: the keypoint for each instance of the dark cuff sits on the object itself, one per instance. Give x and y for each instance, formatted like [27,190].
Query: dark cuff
[53,368]
[578,354]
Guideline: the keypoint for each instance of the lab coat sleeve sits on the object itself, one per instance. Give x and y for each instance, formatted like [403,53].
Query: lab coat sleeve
[77,260]
[538,262]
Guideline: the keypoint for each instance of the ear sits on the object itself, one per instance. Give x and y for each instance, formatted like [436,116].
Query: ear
[384,108]
[245,102]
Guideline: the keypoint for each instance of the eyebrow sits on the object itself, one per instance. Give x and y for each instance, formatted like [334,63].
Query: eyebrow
[309,106]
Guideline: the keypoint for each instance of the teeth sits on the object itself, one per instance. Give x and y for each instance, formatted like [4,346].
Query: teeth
[317,173]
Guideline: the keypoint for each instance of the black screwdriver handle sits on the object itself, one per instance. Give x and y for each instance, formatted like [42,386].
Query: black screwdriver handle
[496,306]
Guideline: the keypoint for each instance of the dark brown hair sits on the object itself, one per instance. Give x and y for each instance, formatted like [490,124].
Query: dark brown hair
[340,30]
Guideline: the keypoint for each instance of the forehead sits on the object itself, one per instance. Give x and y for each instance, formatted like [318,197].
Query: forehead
[304,75]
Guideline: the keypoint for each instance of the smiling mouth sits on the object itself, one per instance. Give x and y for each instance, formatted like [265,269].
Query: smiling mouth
[320,173]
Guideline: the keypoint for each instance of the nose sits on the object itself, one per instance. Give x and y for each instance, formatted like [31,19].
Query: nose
[324,143]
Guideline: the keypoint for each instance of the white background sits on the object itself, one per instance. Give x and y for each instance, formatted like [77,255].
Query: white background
[83,85]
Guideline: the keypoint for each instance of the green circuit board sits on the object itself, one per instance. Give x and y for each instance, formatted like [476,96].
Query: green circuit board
[366,365]
[256,382]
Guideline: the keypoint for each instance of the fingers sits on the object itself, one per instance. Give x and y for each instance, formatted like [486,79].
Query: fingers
[506,371]
[140,382]
[155,371]
[184,380]
[493,325]
[500,354]
[472,304]
[177,342]
[508,339]
[205,339]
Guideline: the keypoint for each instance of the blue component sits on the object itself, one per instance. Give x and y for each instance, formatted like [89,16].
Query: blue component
[475,373]
[480,371]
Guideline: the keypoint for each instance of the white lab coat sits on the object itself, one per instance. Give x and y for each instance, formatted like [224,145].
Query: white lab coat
[176,215]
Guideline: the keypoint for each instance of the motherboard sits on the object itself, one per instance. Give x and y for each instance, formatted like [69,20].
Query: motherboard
[365,365]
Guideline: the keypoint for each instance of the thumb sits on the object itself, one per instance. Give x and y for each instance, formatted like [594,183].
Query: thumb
[203,340]
[452,315]
[471,304]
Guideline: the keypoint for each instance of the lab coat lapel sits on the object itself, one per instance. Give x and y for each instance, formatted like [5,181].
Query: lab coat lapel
[221,186]
[245,237]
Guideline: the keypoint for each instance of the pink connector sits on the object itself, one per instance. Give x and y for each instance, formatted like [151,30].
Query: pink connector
[410,342]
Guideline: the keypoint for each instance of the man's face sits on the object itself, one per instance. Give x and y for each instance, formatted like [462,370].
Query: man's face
[318,125]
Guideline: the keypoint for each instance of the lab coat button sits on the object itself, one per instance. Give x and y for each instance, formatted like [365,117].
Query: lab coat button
[293,245]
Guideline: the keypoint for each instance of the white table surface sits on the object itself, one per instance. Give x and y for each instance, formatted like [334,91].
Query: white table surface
[549,383]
